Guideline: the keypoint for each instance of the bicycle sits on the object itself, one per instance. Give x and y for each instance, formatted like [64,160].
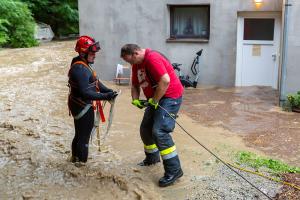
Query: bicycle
[185,79]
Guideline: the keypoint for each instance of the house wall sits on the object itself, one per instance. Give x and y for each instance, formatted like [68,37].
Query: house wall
[147,23]
[291,80]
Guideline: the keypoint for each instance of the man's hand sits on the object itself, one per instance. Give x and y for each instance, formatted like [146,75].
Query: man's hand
[110,95]
[153,103]
[138,103]
[115,94]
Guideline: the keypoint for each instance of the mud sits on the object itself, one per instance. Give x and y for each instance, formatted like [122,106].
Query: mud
[36,133]
[251,112]
[289,192]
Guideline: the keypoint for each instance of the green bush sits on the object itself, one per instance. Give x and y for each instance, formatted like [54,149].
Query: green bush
[17,26]
[294,99]
[3,31]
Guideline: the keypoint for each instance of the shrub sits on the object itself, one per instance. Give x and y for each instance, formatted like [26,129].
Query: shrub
[3,31]
[294,99]
[17,26]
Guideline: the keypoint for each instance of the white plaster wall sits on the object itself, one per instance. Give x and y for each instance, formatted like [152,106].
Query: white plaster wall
[117,22]
[292,83]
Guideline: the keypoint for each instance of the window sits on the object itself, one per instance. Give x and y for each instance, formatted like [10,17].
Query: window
[258,29]
[189,21]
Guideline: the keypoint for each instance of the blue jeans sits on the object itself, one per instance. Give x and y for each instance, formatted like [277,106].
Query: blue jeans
[155,132]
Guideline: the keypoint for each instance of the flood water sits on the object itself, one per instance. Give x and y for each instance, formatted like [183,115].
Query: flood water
[36,132]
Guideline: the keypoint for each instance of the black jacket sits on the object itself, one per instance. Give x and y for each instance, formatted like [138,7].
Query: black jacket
[82,85]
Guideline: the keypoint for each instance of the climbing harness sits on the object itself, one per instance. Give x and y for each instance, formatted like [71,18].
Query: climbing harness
[78,100]
[97,105]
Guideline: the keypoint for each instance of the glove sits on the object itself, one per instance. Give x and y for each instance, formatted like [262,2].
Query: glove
[115,94]
[138,103]
[152,103]
[110,95]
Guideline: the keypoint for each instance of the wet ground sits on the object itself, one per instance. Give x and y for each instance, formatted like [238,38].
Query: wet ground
[253,114]
[36,133]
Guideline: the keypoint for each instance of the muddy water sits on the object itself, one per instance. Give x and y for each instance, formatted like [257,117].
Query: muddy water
[36,133]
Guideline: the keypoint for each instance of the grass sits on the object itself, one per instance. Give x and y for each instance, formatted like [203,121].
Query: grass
[256,162]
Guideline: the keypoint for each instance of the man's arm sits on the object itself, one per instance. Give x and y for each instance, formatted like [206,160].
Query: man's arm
[103,88]
[81,75]
[135,92]
[162,87]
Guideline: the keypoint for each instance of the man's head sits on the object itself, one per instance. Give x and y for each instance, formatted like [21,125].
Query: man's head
[132,54]
[87,47]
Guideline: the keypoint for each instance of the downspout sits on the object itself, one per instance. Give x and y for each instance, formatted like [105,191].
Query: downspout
[284,53]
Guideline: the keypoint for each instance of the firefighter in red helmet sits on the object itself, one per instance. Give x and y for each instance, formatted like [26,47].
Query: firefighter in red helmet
[85,87]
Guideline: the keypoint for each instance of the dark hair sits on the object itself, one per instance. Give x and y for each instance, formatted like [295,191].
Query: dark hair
[128,49]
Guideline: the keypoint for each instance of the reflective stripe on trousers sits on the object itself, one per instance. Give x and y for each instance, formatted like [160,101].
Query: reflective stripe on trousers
[150,148]
[168,153]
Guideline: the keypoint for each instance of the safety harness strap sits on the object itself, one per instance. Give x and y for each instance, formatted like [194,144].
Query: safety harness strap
[96,104]
[84,110]
[86,65]
[100,110]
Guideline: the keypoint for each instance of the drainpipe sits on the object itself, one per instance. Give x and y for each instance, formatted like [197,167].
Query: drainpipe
[284,52]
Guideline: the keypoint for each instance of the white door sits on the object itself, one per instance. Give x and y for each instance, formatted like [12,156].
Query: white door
[258,42]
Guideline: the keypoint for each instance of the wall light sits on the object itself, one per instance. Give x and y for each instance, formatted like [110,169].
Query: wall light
[258,3]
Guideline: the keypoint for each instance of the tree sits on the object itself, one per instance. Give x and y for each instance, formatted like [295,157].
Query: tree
[17,26]
[61,15]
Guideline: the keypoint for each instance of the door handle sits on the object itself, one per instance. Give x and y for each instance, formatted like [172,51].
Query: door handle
[274,57]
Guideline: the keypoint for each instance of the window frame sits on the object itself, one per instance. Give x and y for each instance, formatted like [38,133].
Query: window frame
[200,39]
[259,39]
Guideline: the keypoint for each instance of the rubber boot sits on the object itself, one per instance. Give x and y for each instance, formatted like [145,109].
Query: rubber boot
[173,172]
[74,159]
[151,159]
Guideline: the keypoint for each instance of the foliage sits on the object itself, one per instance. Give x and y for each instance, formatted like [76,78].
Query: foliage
[256,162]
[17,26]
[294,99]
[3,31]
[61,15]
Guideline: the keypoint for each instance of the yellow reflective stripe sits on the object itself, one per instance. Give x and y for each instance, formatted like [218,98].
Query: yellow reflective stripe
[168,150]
[150,147]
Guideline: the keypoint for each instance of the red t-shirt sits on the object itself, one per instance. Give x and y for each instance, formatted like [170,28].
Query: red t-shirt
[147,75]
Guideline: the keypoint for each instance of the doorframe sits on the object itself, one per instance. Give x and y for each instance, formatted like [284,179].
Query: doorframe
[239,44]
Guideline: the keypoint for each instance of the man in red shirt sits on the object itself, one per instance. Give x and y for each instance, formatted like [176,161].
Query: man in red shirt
[153,72]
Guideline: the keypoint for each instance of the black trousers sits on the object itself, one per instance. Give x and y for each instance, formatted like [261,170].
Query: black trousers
[83,129]
[155,130]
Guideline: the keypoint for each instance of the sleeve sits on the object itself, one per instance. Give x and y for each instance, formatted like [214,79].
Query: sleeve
[81,75]
[156,68]
[103,88]
[134,77]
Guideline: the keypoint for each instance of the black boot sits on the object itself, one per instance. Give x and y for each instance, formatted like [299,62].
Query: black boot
[74,159]
[151,159]
[173,172]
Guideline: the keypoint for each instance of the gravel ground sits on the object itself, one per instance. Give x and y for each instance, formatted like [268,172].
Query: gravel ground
[226,185]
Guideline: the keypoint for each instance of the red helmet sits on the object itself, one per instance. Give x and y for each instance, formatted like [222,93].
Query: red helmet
[86,44]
